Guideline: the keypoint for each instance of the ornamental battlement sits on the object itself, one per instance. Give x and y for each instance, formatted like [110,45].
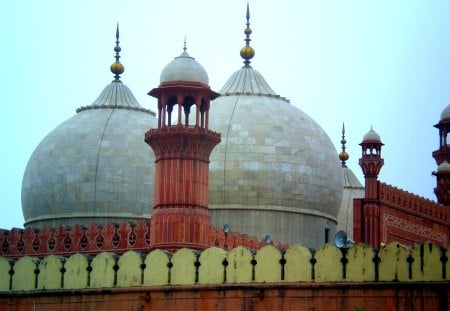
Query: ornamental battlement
[414,204]
[359,263]
[94,239]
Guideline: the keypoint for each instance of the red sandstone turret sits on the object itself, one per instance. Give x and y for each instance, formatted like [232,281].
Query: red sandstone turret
[182,149]
[442,157]
[371,163]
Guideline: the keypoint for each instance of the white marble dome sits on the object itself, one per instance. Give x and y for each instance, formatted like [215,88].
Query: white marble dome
[445,114]
[93,168]
[443,167]
[371,136]
[184,68]
[276,171]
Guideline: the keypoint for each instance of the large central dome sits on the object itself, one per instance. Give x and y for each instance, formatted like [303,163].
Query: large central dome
[276,171]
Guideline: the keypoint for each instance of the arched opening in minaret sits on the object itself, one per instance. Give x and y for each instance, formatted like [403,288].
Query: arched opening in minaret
[203,108]
[172,101]
[188,102]
[443,142]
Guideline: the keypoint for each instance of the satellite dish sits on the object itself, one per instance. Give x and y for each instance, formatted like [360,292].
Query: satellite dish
[267,239]
[341,240]
[226,228]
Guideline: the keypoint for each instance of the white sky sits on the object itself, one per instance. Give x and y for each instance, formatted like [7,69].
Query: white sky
[380,63]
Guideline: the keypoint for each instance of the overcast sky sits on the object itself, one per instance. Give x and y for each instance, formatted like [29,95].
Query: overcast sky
[379,63]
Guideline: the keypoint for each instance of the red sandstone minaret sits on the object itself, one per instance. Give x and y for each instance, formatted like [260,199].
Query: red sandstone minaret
[371,163]
[182,149]
[442,157]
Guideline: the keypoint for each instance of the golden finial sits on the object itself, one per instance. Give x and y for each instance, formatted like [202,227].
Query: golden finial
[117,68]
[247,52]
[343,156]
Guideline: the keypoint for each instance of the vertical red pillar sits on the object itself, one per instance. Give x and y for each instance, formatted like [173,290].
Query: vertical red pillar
[181,217]
[371,163]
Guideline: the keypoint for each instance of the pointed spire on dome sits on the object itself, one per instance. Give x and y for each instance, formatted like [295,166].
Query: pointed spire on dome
[185,54]
[117,68]
[247,52]
[248,81]
[343,156]
[116,94]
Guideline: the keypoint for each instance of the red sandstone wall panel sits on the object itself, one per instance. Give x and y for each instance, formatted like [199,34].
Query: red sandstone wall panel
[258,297]
[357,220]
[409,230]
[396,215]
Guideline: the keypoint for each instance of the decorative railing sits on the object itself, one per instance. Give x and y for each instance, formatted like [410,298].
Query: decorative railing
[413,204]
[107,238]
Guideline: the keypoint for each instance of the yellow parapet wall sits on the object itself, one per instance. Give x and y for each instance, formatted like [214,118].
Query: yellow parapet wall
[360,263]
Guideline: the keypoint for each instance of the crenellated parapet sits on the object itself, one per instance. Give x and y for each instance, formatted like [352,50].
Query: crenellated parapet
[63,240]
[396,215]
[413,204]
[94,239]
[360,263]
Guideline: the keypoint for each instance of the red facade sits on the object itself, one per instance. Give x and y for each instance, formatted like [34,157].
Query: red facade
[387,214]
[396,215]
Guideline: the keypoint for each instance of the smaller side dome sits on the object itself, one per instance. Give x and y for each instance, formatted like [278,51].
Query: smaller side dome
[443,167]
[184,68]
[371,136]
[445,114]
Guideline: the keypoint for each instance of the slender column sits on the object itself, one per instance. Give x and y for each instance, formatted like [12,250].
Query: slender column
[206,116]
[202,118]
[163,115]
[180,107]
[159,112]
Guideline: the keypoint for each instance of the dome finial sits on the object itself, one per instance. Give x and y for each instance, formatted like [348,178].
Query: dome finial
[117,68]
[343,156]
[184,53]
[248,15]
[247,52]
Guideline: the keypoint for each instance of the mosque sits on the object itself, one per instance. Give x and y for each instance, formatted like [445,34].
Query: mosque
[275,173]
[238,167]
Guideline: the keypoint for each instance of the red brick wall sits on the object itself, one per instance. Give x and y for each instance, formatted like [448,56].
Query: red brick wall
[295,296]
